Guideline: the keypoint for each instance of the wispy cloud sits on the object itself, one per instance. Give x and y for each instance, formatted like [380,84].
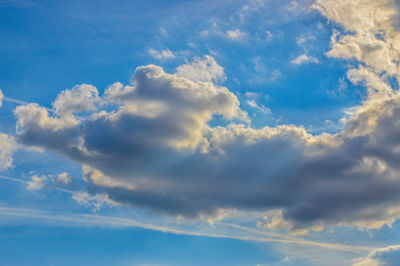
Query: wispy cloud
[71,219]
[303,59]
[162,54]
[235,34]
[37,183]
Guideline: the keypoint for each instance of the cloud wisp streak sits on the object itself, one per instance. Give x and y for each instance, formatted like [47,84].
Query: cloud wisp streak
[18,180]
[117,222]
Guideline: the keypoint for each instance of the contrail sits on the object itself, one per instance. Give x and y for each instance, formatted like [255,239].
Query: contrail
[17,101]
[102,221]
[27,182]
[301,241]
[13,100]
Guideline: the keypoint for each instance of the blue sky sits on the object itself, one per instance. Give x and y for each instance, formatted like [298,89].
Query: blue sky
[199,132]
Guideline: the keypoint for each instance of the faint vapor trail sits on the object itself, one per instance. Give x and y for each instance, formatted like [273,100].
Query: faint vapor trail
[110,221]
[16,101]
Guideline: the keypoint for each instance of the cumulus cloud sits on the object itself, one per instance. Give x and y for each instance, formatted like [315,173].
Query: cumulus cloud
[202,69]
[370,36]
[7,148]
[161,55]
[303,59]
[36,183]
[64,178]
[389,256]
[80,98]
[156,149]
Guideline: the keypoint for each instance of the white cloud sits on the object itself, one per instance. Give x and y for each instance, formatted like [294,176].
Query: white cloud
[202,69]
[250,94]
[388,256]
[303,59]
[370,36]
[235,34]
[96,201]
[7,148]
[1,98]
[36,183]
[64,178]
[80,98]
[261,108]
[162,54]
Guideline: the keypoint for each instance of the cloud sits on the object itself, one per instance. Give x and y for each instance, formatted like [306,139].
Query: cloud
[96,201]
[396,19]
[302,59]
[202,69]
[93,220]
[389,256]
[1,98]
[7,147]
[36,183]
[64,178]
[235,35]
[161,55]
[154,148]
[370,36]
[262,108]
[80,98]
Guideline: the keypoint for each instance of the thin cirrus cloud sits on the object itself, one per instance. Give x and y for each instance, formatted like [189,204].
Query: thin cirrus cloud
[202,69]
[303,59]
[162,54]
[235,34]
[94,220]
[156,150]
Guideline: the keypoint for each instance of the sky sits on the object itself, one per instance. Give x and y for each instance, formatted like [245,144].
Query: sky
[203,132]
